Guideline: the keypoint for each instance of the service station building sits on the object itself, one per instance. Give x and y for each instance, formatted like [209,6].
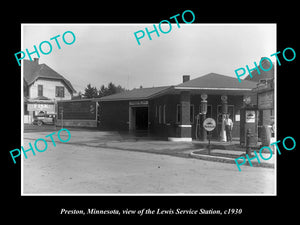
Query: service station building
[173,112]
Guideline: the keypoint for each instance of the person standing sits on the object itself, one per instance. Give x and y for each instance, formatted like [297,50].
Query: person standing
[228,127]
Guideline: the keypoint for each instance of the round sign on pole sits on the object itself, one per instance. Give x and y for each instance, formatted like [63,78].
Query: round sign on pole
[209,124]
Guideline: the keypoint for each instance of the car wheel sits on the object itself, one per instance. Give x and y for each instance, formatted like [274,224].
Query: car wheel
[39,123]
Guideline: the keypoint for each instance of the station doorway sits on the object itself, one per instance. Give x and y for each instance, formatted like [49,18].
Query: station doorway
[138,118]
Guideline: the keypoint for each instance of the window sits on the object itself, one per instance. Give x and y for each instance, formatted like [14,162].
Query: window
[156,111]
[40,90]
[159,114]
[59,91]
[178,113]
[231,112]
[164,114]
[209,111]
[192,113]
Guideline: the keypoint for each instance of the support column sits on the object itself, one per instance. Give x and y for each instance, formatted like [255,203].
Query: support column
[185,125]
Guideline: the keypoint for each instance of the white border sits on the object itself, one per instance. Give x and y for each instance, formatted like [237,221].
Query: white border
[154,194]
[22,113]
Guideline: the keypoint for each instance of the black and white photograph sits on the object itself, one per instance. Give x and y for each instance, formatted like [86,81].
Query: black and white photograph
[144,109]
[137,112]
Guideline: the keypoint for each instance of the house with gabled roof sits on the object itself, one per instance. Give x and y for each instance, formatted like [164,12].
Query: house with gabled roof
[171,111]
[43,86]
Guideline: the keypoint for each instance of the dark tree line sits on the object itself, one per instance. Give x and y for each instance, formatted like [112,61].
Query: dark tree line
[93,92]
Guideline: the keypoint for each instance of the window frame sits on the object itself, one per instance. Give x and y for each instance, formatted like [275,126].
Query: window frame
[164,115]
[159,114]
[178,113]
[58,91]
[192,113]
[40,89]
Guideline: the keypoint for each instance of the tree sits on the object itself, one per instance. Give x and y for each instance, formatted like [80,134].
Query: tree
[102,91]
[110,89]
[90,92]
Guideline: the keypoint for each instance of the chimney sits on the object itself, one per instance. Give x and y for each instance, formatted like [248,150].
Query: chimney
[185,78]
[36,60]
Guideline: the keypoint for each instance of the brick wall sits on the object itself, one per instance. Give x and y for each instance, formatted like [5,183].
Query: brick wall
[170,127]
[114,115]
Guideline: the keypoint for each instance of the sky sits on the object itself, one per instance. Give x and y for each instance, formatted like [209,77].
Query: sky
[104,53]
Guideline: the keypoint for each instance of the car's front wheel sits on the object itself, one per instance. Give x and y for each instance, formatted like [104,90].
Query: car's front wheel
[39,123]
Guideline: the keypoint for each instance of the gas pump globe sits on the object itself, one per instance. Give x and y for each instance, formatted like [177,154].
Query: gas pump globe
[247,100]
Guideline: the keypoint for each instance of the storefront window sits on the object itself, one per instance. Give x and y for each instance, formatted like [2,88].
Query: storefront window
[159,114]
[192,113]
[209,111]
[178,114]
[164,114]
[231,112]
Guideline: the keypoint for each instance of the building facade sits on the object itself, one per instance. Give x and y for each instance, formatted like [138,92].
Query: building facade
[77,113]
[43,87]
[173,112]
[264,98]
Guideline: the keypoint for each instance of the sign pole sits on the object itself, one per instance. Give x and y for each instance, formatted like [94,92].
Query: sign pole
[208,148]
[209,125]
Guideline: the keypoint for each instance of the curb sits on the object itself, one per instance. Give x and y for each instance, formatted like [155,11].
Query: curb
[227,160]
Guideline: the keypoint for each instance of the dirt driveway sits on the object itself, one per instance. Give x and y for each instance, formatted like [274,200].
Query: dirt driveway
[82,166]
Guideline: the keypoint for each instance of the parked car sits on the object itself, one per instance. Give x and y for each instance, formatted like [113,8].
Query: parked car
[44,119]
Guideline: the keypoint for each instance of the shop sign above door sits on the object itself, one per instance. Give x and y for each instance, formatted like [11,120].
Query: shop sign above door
[139,103]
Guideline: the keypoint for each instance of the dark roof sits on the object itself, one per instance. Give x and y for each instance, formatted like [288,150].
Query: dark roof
[41,98]
[214,81]
[136,94]
[209,82]
[33,71]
